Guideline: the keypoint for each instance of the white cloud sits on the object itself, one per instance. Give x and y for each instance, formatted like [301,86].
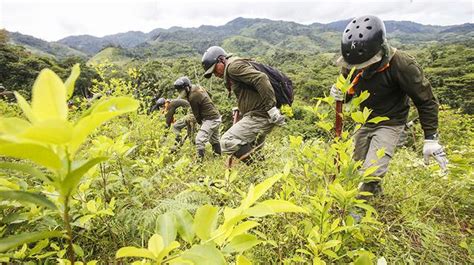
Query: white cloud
[52,20]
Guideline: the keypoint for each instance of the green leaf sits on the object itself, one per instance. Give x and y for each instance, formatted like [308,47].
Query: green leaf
[378,119]
[71,80]
[255,193]
[24,168]
[49,97]
[363,259]
[102,112]
[71,181]
[274,206]
[25,107]
[370,170]
[331,244]
[50,131]
[134,252]
[25,238]
[358,117]
[13,126]
[166,228]
[25,196]
[241,243]
[167,250]
[204,255]
[242,260]
[205,221]
[380,153]
[243,228]
[35,152]
[156,244]
[184,222]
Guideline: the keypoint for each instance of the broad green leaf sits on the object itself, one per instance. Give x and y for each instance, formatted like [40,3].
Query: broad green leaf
[37,153]
[243,228]
[49,97]
[184,224]
[205,221]
[50,131]
[25,196]
[25,107]
[101,113]
[156,244]
[254,194]
[241,243]
[363,259]
[378,119]
[166,227]
[370,170]
[134,252]
[204,255]
[167,250]
[71,80]
[242,260]
[24,168]
[39,247]
[331,244]
[71,181]
[358,117]
[13,126]
[25,238]
[274,206]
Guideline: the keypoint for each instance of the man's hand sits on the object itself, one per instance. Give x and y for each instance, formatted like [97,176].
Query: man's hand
[276,117]
[336,93]
[433,148]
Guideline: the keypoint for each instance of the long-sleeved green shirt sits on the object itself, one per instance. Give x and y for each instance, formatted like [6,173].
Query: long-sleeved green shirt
[201,104]
[252,88]
[174,105]
[391,89]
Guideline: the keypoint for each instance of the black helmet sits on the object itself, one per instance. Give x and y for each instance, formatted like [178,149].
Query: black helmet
[160,102]
[362,39]
[209,59]
[182,83]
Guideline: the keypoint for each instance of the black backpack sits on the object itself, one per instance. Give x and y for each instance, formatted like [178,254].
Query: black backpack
[281,84]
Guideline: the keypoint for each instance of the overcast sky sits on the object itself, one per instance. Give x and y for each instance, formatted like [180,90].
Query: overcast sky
[53,20]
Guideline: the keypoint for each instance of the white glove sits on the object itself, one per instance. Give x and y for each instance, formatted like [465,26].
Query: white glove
[433,148]
[276,117]
[336,93]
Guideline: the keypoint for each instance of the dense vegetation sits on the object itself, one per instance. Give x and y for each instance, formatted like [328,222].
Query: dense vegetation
[114,191]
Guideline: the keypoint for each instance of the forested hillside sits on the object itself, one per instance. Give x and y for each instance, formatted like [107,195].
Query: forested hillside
[99,180]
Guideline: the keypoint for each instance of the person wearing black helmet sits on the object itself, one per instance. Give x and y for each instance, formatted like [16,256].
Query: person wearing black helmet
[169,107]
[204,111]
[392,77]
[255,98]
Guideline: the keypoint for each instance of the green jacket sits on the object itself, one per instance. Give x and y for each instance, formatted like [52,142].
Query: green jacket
[201,104]
[252,88]
[391,89]
[175,104]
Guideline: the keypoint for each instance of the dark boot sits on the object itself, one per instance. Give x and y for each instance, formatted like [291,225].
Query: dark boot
[217,149]
[200,153]
[373,187]
[243,154]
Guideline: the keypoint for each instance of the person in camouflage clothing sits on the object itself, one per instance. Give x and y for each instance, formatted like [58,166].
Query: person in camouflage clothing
[169,107]
[255,99]
[392,77]
[205,113]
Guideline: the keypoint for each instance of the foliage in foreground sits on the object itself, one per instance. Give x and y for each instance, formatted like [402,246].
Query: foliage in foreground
[166,208]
